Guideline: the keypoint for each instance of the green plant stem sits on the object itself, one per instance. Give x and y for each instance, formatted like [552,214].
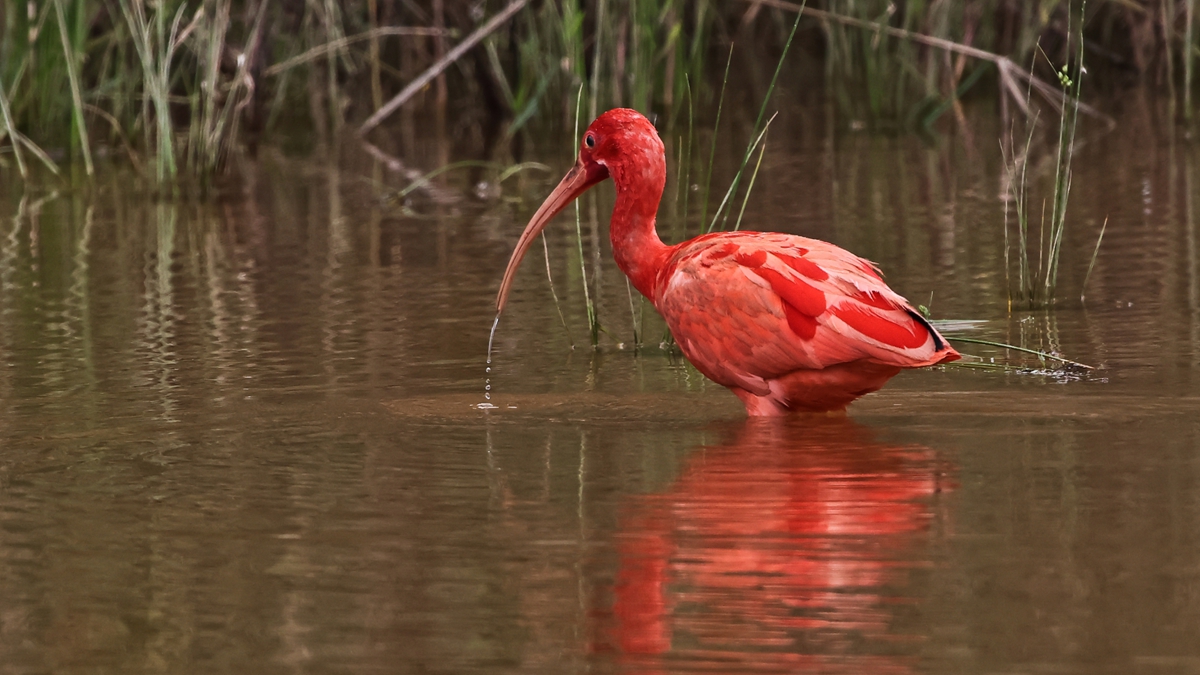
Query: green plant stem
[733,184]
[750,186]
[76,93]
[593,324]
[712,153]
[762,109]
[553,294]
[1092,264]
[687,161]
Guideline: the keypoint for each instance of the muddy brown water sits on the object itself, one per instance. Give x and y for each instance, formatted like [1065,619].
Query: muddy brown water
[244,435]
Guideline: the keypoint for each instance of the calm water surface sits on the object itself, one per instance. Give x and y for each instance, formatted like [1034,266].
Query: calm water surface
[242,435]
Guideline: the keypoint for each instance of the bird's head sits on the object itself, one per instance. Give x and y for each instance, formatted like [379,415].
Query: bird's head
[617,144]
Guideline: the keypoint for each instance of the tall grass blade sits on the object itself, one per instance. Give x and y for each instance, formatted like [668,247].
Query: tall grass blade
[750,186]
[593,324]
[712,153]
[761,112]
[36,152]
[687,160]
[1092,264]
[734,182]
[76,92]
[553,294]
[1068,123]
[155,52]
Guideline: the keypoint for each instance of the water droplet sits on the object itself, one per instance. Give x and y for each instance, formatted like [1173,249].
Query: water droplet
[488,369]
[487,386]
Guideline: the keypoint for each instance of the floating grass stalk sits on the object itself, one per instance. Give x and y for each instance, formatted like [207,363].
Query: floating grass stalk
[1024,350]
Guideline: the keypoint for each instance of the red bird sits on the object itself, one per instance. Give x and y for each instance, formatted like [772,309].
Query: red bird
[785,322]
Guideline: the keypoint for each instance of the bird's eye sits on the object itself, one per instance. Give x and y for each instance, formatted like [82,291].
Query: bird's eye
[589,141]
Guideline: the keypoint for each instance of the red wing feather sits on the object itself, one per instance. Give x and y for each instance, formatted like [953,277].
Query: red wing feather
[805,267]
[875,299]
[753,259]
[904,334]
[804,326]
[804,298]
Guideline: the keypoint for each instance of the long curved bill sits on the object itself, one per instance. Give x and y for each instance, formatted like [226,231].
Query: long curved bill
[581,177]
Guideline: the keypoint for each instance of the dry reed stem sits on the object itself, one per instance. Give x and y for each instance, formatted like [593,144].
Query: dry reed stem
[443,63]
[1009,71]
[1188,59]
[335,45]
[11,130]
[376,79]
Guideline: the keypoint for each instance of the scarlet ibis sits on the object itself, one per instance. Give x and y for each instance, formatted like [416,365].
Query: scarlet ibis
[785,322]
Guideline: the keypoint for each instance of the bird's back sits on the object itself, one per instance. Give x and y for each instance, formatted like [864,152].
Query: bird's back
[799,321]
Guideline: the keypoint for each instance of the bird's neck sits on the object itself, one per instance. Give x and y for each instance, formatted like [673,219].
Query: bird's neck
[636,246]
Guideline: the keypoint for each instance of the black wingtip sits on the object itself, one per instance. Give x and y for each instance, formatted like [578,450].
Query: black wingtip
[938,343]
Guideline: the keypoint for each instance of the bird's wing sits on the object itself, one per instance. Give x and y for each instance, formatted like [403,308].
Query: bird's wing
[748,306]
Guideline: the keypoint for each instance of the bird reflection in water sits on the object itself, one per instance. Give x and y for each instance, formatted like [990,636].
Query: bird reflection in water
[792,546]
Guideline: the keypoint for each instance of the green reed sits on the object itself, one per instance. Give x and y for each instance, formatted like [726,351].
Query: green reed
[155,47]
[155,78]
[759,131]
[593,321]
[72,42]
[1036,282]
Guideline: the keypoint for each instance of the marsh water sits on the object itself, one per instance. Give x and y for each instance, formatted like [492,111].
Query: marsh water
[243,434]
